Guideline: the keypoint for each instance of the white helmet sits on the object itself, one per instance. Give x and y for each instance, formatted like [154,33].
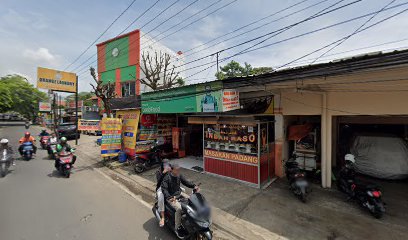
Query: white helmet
[350,157]
[4,141]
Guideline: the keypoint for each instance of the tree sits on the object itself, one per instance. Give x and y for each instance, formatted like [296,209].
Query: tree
[82,96]
[234,69]
[19,95]
[104,91]
[158,71]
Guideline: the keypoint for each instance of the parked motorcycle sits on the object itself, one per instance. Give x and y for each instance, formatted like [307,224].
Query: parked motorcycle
[196,216]
[44,141]
[64,163]
[28,151]
[5,162]
[367,195]
[146,161]
[297,180]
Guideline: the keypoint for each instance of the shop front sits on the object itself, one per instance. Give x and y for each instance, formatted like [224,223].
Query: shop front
[212,130]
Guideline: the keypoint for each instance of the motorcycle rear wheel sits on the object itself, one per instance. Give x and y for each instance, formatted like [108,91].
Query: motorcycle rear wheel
[138,168]
[200,236]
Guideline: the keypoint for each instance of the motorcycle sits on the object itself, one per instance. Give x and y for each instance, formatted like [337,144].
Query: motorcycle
[28,151]
[5,162]
[367,195]
[148,160]
[64,163]
[44,141]
[297,180]
[195,216]
[27,126]
[51,148]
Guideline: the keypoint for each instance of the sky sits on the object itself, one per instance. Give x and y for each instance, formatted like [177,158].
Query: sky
[53,33]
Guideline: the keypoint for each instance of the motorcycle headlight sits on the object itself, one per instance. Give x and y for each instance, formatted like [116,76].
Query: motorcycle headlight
[203,224]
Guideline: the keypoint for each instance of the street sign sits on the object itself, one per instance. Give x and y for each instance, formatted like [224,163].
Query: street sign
[56,80]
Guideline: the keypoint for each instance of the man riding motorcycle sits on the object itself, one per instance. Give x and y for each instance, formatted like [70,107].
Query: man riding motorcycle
[348,174]
[27,138]
[44,133]
[63,146]
[160,174]
[53,139]
[5,146]
[170,187]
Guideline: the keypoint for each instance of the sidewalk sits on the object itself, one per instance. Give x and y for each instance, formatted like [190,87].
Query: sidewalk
[242,212]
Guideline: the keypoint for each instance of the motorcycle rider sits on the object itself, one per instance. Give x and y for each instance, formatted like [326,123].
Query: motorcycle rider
[5,146]
[53,139]
[347,174]
[27,138]
[63,146]
[44,133]
[170,187]
[161,172]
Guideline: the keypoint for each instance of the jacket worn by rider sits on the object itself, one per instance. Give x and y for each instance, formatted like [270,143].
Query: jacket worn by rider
[60,148]
[30,139]
[171,185]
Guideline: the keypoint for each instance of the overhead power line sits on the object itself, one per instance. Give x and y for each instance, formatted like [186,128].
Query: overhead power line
[355,31]
[110,25]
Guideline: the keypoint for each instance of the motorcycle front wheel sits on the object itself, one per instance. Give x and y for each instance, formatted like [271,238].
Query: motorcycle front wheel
[3,170]
[203,236]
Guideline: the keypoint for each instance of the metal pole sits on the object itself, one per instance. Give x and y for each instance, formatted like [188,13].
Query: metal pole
[76,110]
[59,109]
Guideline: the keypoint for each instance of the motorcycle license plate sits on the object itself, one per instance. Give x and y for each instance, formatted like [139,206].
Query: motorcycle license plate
[302,183]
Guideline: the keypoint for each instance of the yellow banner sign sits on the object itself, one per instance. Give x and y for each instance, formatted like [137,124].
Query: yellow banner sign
[56,80]
[111,136]
[231,156]
[129,129]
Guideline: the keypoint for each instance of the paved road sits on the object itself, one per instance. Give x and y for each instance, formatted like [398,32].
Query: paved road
[38,204]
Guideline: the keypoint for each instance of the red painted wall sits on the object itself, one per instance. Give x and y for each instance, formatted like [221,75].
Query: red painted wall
[244,172]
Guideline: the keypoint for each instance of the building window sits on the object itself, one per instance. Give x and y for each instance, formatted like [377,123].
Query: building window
[128,89]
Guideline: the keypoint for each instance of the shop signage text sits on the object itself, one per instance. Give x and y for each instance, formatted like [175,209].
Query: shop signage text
[56,80]
[111,136]
[231,156]
[44,106]
[88,125]
[230,100]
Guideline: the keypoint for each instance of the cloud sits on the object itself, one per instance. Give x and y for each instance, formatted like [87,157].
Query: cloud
[41,55]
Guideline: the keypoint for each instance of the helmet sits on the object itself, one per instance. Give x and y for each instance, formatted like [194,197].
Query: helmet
[4,141]
[27,134]
[350,157]
[44,130]
[63,140]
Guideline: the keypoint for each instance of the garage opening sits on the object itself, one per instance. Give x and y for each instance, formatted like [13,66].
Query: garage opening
[380,146]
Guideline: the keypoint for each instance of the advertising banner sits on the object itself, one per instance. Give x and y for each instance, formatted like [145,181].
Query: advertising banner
[88,125]
[111,136]
[56,80]
[148,127]
[207,97]
[44,106]
[230,100]
[129,128]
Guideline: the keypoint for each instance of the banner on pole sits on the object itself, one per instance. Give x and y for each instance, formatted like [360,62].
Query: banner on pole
[88,125]
[44,106]
[129,129]
[111,136]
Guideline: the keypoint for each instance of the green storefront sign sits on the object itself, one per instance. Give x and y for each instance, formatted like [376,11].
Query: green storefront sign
[187,99]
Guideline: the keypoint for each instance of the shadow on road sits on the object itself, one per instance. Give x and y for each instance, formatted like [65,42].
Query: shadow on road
[56,174]
[155,232]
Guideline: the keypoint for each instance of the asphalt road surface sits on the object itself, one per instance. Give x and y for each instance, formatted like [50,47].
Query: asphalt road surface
[36,203]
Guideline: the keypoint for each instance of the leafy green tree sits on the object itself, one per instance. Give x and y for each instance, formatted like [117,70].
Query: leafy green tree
[24,96]
[6,102]
[234,69]
[82,96]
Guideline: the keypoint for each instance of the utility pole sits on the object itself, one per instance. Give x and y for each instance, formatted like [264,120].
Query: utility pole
[218,53]
[76,110]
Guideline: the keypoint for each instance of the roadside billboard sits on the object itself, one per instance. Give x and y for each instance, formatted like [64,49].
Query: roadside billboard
[44,107]
[56,80]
